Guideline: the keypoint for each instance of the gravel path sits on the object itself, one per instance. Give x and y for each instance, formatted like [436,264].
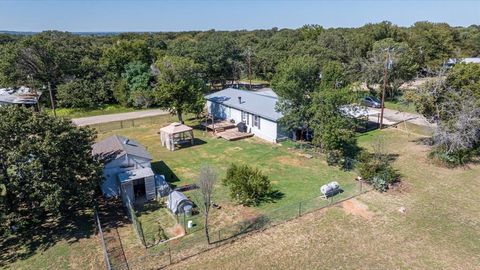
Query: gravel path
[85,121]
[393,116]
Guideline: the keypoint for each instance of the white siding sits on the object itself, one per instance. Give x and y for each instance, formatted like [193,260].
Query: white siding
[111,184]
[268,129]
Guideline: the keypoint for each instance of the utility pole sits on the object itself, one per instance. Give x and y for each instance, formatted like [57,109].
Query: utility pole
[249,61]
[51,99]
[385,73]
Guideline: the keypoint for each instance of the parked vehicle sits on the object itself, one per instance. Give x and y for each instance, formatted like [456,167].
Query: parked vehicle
[370,101]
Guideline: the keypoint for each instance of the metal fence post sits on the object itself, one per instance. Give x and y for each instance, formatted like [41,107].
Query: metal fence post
[300,209]
[219,238]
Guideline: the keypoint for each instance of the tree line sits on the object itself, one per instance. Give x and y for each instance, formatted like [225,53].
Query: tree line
[135,69]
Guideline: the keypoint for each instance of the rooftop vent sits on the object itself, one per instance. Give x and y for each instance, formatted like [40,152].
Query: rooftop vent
[126,141]
[240,100]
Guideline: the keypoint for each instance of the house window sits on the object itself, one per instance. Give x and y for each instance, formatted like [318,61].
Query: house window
[246,118]
[256,121]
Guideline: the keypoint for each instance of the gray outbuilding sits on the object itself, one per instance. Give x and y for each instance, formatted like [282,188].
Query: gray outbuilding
[127,169]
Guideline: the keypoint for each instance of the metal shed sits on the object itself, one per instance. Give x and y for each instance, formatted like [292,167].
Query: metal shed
[137,184]
[174,134]
[178,203]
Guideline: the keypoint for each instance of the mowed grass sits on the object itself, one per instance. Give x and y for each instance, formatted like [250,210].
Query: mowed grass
[85,112]
[295,177]
[440,229]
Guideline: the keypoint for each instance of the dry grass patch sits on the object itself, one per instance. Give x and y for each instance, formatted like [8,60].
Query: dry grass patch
[291,161]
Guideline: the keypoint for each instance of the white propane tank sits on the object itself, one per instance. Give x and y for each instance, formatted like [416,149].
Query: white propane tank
[330,187]
[325,189]
[334,185]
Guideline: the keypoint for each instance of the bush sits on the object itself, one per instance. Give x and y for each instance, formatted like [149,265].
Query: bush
[454,159]
[376,170]
[248,186]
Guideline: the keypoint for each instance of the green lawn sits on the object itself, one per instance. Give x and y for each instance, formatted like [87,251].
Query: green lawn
[294,178]
[77,113]
[400,106]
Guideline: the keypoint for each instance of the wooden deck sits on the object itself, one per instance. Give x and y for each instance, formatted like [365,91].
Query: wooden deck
[233,134]
[218,126]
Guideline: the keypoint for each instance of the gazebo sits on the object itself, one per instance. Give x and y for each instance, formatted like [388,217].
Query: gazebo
[176,133]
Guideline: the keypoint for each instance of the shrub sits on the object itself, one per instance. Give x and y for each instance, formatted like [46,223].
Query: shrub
[453,159]
[248,186]
[376,170]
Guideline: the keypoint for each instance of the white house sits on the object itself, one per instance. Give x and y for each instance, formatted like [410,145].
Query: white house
[254,108]
[127,170]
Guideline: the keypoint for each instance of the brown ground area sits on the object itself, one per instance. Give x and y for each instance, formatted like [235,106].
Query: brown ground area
[356,208]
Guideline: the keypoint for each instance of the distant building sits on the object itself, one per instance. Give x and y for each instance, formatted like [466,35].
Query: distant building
[470,60]
[127,170]
[256,109]
[22,95]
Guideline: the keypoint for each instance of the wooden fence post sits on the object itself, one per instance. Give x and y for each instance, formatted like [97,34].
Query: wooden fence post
[169,253]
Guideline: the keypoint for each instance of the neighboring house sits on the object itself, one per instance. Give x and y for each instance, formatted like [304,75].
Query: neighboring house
[469,60]
[127,170]
[22,96]
[255,109]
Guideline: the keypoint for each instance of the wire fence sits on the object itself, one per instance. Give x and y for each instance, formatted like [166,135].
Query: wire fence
[137,122]
[102,239]
[178,249]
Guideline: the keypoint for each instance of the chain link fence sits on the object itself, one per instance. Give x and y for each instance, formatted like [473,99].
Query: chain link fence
[137,225]
[177,249]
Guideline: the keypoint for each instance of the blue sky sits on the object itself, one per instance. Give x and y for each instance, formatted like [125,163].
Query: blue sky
[142,15]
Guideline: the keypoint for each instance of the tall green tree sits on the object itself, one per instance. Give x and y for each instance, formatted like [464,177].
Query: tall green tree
[295,83]
[138,78]
[179,86]
[433,43]
[334,129]
[46,167]
[116,57]
[217,53]
[400,60]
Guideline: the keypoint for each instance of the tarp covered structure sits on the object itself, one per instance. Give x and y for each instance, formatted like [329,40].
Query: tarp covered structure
[174,134]
[178,203]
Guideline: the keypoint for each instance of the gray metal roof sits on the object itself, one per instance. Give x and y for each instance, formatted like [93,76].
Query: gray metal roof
[21,95]
[135,174]
[116,146]
[251,102]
